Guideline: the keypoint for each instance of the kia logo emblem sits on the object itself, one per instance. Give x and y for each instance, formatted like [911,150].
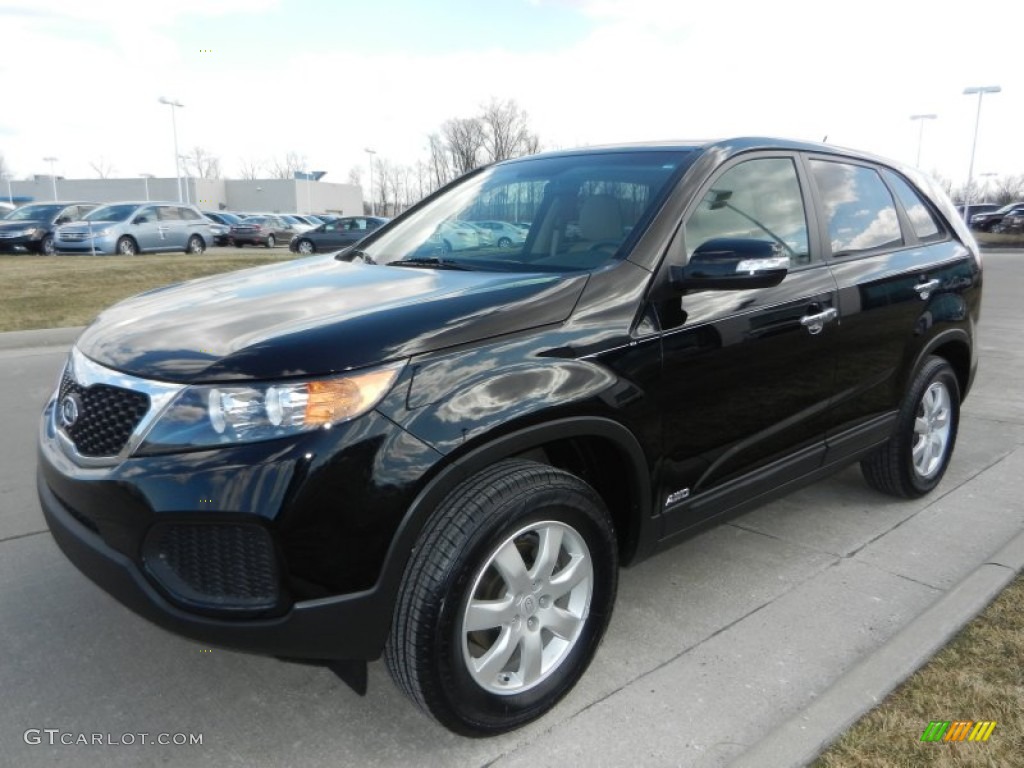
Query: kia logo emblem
[70,410]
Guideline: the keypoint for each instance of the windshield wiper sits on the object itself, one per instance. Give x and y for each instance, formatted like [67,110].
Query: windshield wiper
[429,261]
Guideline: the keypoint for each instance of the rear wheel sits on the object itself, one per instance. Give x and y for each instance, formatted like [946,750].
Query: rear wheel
[126,246]
[504,243]
[271,242]
[916,457]
[195,245]
[505,598]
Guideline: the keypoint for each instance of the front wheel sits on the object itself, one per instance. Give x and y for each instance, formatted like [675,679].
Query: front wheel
[47,246]
[504,243]
[916,457]
[305,247]
[271,242]
[505,599]
[127,247]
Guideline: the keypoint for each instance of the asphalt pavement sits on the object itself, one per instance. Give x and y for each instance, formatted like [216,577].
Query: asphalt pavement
[753,643]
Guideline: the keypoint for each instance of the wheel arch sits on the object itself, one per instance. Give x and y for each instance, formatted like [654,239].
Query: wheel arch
[603,447]
[955,347]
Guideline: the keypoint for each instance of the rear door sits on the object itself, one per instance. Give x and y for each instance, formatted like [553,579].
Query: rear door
[899,272]
[748,374]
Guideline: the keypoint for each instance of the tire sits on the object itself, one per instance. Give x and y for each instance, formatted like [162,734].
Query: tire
[305,247]
[236,244]
[195,245]
[914,460]
[47,247]
[504,243]
[271,242]
[505,515]
[126,246]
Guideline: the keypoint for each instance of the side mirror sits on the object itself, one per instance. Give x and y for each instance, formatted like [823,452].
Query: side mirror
[732,263]
[141,220]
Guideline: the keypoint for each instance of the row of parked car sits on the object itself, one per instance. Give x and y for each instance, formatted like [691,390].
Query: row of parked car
[135,227]
[129,228]
[991,217]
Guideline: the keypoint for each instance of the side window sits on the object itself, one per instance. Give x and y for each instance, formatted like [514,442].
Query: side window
[757,199]
[189,214]
[921,218]
[170,213]
[860,211]
[147,214]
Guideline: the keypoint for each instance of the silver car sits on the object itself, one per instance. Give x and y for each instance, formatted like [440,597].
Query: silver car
[131,228]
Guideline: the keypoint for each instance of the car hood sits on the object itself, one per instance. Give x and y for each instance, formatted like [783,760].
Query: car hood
[27,224]
[316,316]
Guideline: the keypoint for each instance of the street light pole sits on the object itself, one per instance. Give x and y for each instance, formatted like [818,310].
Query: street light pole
[145,180]
[174,104]
[920,133]
[188,196]
[371,153]
[981,90]
[10,194]
[53,175]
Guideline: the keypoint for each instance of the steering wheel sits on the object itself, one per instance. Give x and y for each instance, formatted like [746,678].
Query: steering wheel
[600,245]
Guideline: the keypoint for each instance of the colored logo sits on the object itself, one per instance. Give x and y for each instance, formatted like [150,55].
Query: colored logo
[958,730]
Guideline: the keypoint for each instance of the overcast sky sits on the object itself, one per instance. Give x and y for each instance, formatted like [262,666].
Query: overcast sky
[326,79]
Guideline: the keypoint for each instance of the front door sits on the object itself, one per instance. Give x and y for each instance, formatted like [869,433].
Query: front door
[748,374]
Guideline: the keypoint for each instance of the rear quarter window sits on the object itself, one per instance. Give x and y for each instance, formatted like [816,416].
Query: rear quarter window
[922,220]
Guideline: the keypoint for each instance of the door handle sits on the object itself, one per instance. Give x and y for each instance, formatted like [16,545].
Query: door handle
[924,290]
[816,322]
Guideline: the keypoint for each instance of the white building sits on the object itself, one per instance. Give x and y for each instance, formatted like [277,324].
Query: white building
[257,195]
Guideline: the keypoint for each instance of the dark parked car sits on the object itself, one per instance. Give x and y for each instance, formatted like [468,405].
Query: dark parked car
[339,233]
[975,208]
[261,230]
[443,457]
[29,229]
[986,222]
[225,220]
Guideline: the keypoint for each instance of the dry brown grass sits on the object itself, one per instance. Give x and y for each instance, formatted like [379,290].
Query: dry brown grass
[53,292]
[979,676]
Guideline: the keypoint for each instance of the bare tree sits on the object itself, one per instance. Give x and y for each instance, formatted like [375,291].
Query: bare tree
[506,131]
[465,137]
[103,168]
[249,169]
[285,168]
[440,164]
[355,175]
[1008,189]
[201,164]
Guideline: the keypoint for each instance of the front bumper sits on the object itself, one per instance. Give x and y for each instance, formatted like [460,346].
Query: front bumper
[281,547]
[20,244]
[341,627]
[105,244]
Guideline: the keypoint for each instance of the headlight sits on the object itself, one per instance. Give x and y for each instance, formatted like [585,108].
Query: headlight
[100,232]
[203,416]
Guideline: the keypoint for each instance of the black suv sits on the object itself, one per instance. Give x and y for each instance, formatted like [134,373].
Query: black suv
[29,229]
[444,458]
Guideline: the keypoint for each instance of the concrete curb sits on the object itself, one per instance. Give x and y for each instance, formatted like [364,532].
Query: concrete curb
[800,740]
[44,337]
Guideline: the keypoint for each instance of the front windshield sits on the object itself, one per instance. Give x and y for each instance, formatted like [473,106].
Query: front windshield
[34,213]
[570,212]
[111,213]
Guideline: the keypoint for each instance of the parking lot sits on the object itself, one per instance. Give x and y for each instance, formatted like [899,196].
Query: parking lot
[712,646]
